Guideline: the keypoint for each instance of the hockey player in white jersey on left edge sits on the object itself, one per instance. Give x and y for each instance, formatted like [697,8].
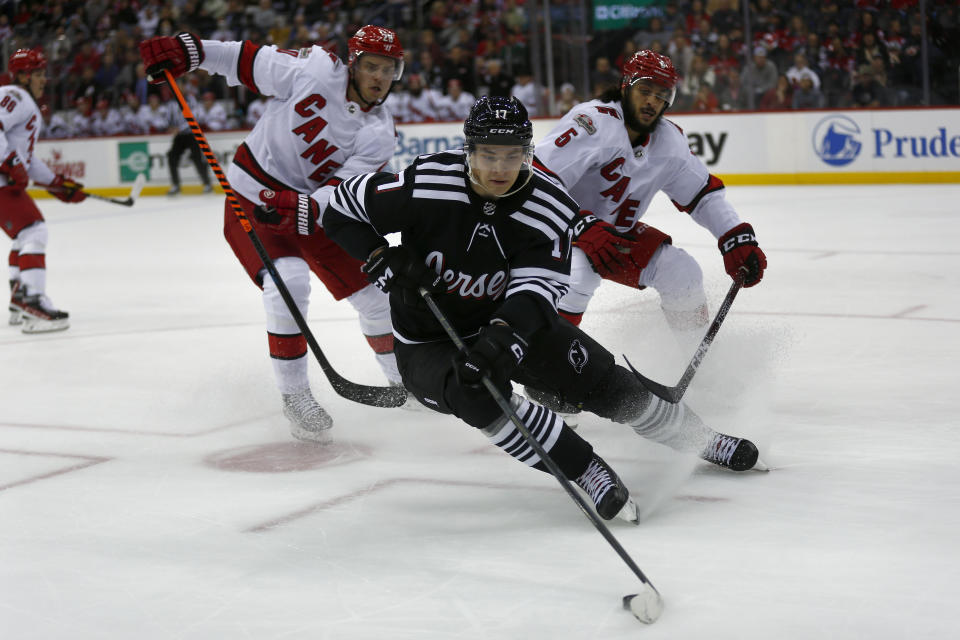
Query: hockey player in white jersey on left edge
[325,123]
[20,126]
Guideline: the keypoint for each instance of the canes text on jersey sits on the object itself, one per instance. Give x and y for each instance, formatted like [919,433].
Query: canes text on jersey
[318,151]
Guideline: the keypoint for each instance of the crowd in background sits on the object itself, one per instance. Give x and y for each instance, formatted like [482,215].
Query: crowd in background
[798,55]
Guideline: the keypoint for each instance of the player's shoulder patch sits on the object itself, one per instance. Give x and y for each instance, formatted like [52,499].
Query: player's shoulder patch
[586,123]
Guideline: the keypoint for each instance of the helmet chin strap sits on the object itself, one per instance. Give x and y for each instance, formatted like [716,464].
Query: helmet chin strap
[525,168]
[356,89]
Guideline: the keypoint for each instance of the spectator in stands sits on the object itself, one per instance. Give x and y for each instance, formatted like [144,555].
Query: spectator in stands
[870,48]
[759,75]
[525,90]
[705,101]
[603,77]
[455,105]
[799,69]
[497,81]
[681,52]
[566,100]
[106,120]
[779,98]
[81,123]
[867,92]
[130,115]
[699,75]
[654,32]
[429,70]
[459,66]
[807,96]
[155,115]
[732,95]
[255,111]
[210,114]
[515,52]
[54,124]
[421,103]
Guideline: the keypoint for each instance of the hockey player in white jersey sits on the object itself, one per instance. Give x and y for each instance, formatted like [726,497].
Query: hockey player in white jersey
[614,154]
[324,123]
[20,127]
[210,114]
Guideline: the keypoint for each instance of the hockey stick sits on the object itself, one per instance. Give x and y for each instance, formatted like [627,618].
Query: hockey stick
[135,190]
[646,605]
[373,396]
[674,393]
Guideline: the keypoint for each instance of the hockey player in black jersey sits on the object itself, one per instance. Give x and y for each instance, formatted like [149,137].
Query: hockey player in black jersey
[489,235]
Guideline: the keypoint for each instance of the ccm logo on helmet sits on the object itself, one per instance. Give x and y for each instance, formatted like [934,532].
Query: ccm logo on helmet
[503,130]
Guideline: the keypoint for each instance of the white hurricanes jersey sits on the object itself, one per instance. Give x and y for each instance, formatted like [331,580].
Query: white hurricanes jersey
[457,109]
[157,120]
[212,119]
[107,123]
[590,151]
[310,137]
[20,127]
[422,107]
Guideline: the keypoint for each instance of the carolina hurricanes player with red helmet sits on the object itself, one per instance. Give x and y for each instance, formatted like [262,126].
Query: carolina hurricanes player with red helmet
[324,123]
[20,125]
[614,154]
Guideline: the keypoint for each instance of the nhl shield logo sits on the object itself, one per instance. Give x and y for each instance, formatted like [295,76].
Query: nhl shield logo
[577,356]
[489,208]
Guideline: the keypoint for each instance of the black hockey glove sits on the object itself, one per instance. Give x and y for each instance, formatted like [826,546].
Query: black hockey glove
[496,354]
[391,268]
[741,253]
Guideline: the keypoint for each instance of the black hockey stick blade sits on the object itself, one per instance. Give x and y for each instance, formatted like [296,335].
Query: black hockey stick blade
[670,394]
[675,393]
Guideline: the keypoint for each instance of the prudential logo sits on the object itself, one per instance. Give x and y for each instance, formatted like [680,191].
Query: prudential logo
[836,139]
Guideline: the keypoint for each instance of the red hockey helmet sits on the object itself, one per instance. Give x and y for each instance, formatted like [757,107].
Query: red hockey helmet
[379,41]
[652,67]
[26,61]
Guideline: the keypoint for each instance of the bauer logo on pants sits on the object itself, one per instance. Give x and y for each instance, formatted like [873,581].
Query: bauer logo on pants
[577,356]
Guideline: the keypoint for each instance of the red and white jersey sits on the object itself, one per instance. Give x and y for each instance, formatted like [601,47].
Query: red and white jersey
[590,151]
[106,123]
[422,107]
[156,120]
[457,109]
[20,127]
[81,124]
[212,119]
[310,137]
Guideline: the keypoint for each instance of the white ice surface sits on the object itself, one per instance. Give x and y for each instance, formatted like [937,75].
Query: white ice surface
[149,487]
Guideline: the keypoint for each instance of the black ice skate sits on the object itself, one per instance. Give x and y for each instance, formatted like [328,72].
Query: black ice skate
[308,420]
[738,454]
[16,298]
[609,495]
[39,315]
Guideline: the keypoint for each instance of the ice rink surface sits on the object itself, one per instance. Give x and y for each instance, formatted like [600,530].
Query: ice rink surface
[149,487]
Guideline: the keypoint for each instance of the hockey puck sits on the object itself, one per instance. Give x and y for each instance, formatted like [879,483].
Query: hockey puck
[645,606]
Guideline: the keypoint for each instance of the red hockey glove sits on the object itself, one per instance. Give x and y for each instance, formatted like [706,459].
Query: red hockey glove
[288,212]
[180,54]
[399,268]
[496,354]
[15,172]
[66,189]
[741,251]
[607,249]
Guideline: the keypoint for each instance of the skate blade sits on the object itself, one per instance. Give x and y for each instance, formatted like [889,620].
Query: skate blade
[44,326]
[761,466]
[630,513]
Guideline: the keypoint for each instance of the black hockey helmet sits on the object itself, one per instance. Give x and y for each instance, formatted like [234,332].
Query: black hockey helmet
[497,120]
